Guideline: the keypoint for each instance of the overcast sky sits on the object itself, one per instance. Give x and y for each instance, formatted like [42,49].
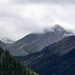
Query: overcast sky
[20,17]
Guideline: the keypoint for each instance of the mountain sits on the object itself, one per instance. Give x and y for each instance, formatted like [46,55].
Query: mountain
[53,59]
[37,41]
[6,40]
[3,45]
[64,65]
[11,66]
[68,63]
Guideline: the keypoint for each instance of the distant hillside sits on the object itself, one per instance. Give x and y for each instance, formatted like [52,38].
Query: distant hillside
[37,41]
[54,59]
[3,45]
[11,66]
[64,65]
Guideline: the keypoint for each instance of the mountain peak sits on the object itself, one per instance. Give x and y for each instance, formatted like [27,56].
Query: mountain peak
[58,28]
[57,25]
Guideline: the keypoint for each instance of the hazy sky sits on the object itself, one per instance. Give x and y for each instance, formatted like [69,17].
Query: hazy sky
[20,17]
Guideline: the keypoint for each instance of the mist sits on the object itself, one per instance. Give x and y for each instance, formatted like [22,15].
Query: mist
[21,17]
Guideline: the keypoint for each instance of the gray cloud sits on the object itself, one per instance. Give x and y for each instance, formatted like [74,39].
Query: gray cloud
[18,17]
[45,1]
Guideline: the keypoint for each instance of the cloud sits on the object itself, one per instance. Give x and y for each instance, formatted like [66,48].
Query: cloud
[45,1]
[18,17]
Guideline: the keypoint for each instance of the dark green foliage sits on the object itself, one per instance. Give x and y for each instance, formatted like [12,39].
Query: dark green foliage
[10,66]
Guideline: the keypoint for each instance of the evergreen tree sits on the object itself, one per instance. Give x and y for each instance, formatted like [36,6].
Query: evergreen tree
[11,66]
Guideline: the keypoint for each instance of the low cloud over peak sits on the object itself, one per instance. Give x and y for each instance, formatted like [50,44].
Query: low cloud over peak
[20,17]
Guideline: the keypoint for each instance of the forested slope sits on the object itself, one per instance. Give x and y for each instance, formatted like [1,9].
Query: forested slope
[10,66]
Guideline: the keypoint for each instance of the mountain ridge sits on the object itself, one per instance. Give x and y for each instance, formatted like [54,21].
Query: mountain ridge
[34,42]
[38,60]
